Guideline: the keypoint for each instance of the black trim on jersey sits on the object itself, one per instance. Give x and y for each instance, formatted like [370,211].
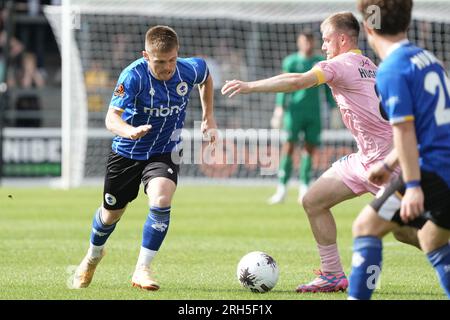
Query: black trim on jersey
[380,106]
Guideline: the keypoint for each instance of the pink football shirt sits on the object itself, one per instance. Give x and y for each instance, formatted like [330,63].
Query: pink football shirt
[351,77]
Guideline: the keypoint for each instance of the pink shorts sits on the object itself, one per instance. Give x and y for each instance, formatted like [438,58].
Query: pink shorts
[354,174]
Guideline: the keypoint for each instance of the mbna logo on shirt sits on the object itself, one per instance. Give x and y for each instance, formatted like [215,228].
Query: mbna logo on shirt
[182,88]
[163,111]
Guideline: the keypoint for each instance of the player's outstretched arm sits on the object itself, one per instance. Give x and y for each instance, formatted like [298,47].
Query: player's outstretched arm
[286,82]
[208,125]
[116,125]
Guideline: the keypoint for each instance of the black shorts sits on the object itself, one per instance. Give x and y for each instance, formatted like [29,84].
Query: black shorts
[437,202]
[123,177]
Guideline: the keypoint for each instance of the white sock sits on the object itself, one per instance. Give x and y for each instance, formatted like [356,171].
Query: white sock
[145,258]
[95,251]
[281,188]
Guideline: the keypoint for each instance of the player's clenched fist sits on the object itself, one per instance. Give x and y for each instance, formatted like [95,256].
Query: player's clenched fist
[138,132]
[379,173]
[234,87]
[209,130]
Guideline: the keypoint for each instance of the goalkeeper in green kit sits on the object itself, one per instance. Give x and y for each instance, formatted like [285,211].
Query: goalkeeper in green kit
[300,112]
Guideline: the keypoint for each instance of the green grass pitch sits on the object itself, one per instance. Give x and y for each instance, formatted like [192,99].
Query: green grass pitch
[44,233]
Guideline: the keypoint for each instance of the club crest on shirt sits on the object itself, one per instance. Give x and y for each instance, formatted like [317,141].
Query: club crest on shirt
[365,63]
[182,88]
[119,91]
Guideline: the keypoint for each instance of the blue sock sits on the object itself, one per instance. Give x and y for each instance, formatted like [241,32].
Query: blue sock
[155,228]
[440,260]
[366,267]
[100,232]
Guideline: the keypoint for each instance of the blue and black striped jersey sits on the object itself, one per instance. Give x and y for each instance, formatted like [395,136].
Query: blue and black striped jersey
[162,104]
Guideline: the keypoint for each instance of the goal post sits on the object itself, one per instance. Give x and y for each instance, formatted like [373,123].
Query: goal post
[74,112]
[242,39]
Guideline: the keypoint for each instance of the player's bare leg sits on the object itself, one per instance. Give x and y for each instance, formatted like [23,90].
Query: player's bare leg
[407,235]
[160,191]
[432,237]
[305,171]
[86,269]
[323,194]
[283,173]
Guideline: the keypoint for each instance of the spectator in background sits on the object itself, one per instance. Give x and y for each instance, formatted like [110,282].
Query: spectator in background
[96,79]
[30,75]
[232,65]
[33,34]
[122,50]
[15,50]
[214,69]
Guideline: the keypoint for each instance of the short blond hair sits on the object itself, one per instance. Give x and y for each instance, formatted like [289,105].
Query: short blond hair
[343,22]
[161,39]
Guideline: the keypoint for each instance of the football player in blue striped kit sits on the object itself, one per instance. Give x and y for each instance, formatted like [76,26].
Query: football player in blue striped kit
[414,91]
[146,113]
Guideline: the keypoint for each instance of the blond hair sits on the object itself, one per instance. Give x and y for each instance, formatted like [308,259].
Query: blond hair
[343,22]
[161,39]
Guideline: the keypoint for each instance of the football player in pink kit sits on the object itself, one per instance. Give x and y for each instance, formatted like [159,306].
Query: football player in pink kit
[351,77]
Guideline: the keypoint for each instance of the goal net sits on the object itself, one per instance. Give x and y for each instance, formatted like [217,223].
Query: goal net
[239,39]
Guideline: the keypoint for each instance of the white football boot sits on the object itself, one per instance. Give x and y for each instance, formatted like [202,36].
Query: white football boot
[85,271]
[142,278]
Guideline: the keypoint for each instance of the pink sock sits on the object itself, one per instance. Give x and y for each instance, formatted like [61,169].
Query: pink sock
[329,258]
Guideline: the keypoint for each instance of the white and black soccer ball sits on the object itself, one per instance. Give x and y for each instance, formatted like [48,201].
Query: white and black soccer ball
[258,272]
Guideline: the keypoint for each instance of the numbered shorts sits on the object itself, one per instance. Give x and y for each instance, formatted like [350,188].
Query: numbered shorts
[437,201]
[124,176]
[310,125]
[354,174]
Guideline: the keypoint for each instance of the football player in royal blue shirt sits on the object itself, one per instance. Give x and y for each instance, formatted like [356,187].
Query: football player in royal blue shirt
[414,92]
[146,113]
